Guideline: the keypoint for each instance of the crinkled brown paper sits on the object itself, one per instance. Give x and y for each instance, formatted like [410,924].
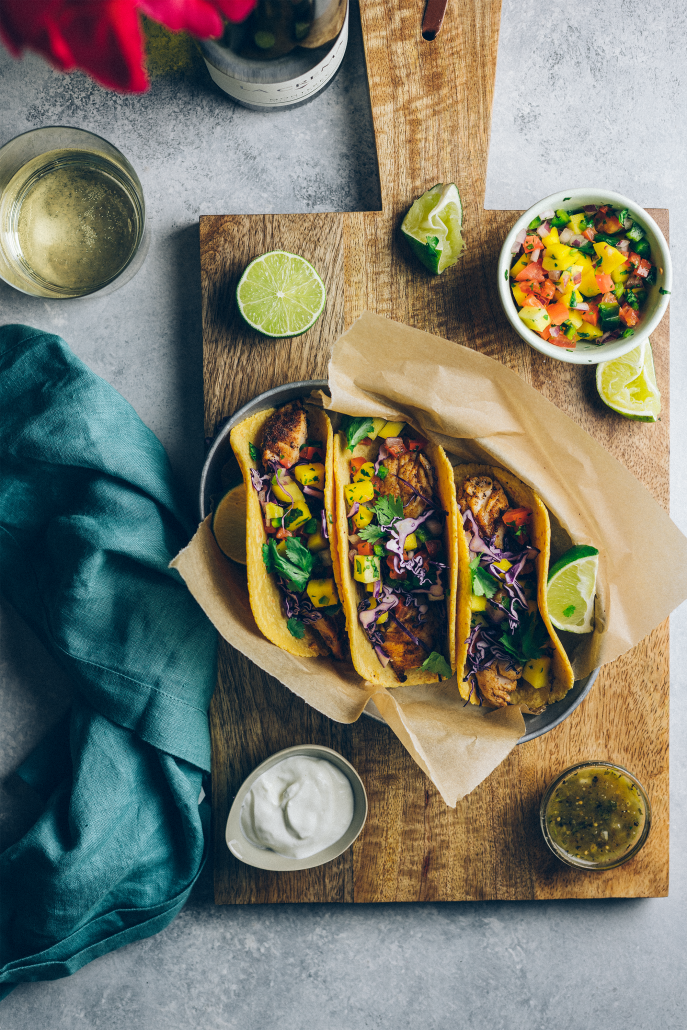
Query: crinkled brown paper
[479,411]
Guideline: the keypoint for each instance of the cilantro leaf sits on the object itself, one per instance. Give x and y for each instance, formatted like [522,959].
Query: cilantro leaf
[436,662]
[329,609]
[383,471]
[528,641]
[663,291]
[295,566]
[623,216]
[570,610]
[254,452]
[296,628]
[371,533]
[483,583]
[388,508]
[356,429]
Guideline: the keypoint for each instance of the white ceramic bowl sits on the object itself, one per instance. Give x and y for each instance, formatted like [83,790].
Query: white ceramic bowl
[246,852]
[656,303]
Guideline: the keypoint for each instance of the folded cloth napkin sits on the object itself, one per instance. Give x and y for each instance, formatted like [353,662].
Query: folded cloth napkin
[88,525]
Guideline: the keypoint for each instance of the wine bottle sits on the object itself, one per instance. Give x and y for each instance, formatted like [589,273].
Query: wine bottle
[282,55]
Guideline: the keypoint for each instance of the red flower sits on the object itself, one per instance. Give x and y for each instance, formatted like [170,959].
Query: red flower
[104,37]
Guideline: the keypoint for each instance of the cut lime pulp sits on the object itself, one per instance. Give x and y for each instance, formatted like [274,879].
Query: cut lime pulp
[628,384]
[280,294]
[432,227]
[229,524]
[571,588]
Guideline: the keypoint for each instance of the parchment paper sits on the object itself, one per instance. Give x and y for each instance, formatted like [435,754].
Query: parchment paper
[480,411]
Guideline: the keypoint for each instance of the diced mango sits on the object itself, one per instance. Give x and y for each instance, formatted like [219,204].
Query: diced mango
[575,318]
[322,592]
[377,424]
[363,517]
[575,223]
[370,589]
[365,471]
[535,318]
[558,256]
[564,298]
[621,274]
[519,296]
[553,237]
[521,263]
[361,492]
[611,258]
[477,604]
[310,475]
[382,618]
[536,672]
[588,286]
[366,568]
[411,542]
[281,547]
[587,331]
[503,566]
[286,489]
[273,511]
[317,541]
[391,429]
[297,515]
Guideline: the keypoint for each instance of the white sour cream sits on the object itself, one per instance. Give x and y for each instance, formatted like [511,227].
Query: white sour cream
[298,807]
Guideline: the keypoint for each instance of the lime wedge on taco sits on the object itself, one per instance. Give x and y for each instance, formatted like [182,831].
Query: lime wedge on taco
[432,227]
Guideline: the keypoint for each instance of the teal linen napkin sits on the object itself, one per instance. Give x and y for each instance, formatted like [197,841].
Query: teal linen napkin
[88,525]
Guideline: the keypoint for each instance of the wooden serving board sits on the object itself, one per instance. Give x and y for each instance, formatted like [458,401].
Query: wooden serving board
[431,104]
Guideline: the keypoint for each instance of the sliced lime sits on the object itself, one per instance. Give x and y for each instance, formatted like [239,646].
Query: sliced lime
[628,384]
[432,227]
[280,294]
[229,524]
[571,588]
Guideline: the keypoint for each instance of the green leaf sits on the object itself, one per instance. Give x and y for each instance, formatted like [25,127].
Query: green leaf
[626,333]
[356,429]
[436,662]
[295,567]
[623,214]
[311,526]
[371,533]
[507,276]
[380,550]
[254,452]
[663,291]
[528,641]
[570,610]
[382,472]
[296,628]
[483,583]
[432,242]
[388,508]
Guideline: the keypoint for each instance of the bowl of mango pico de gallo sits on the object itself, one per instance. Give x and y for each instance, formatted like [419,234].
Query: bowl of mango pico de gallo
[585,276]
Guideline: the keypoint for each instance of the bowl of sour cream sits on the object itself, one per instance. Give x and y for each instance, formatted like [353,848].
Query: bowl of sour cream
[300,808]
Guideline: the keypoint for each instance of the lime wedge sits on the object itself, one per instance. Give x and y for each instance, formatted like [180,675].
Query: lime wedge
[628,384]
[229,524]
[571,588]
[432,227]
[280,294]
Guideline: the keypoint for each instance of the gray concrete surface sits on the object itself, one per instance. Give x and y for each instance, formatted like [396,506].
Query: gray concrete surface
[588,94]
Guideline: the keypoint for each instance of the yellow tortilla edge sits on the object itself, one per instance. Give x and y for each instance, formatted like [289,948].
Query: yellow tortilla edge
[263,590]
[363,654]
[524,497]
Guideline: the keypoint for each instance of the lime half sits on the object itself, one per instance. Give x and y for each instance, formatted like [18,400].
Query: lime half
[571,588]
[628,384]
[432,227]
[229,524]
[280,294]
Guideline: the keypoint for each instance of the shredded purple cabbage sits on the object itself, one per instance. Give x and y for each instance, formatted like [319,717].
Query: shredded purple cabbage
[299,606]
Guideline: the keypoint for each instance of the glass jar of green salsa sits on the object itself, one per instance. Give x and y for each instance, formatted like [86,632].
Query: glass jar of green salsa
[596,815]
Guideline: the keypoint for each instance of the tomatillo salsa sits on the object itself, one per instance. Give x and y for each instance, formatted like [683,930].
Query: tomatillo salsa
[582,275]
[595,816]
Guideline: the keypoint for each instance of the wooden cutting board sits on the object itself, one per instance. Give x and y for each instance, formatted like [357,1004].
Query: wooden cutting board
[431,105]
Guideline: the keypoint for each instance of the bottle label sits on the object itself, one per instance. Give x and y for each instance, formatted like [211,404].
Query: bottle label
[284,94]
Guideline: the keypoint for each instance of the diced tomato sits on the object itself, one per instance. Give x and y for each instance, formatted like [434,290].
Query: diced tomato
[365,548]
[628,315]
[529,286]
[545,333]
[310,452]
[589,234]
[555,331]
[516,516]
[603,210]
[609,298]
[643,268]
[533,302]
[417,444]
[609,224]
[356,464]
[531,271]
[365,441]
[563,341]
[433,547]
[392,572]
[397,449]
[532,243]
[591,316]
[604,282]
[558,312]
[547,290]
[634,259]
[282,533]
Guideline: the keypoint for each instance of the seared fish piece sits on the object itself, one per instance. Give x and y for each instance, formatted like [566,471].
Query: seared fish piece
[416,469]
[283,435]
[497,683]
[403,652]
[332,630]
[485,499]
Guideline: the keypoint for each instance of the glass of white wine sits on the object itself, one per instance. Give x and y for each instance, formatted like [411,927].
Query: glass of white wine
[72,214]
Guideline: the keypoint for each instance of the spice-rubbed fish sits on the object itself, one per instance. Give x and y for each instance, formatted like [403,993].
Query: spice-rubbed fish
[286,458]
[396,535]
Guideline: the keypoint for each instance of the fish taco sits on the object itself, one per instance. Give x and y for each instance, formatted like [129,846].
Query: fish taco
[285,455]
[396,530]
[508,651]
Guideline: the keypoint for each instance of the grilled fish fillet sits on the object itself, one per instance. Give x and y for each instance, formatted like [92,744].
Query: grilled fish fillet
[486,500]
[497,683]
[415,469]
[283,435]
[332,631]
[403,652]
